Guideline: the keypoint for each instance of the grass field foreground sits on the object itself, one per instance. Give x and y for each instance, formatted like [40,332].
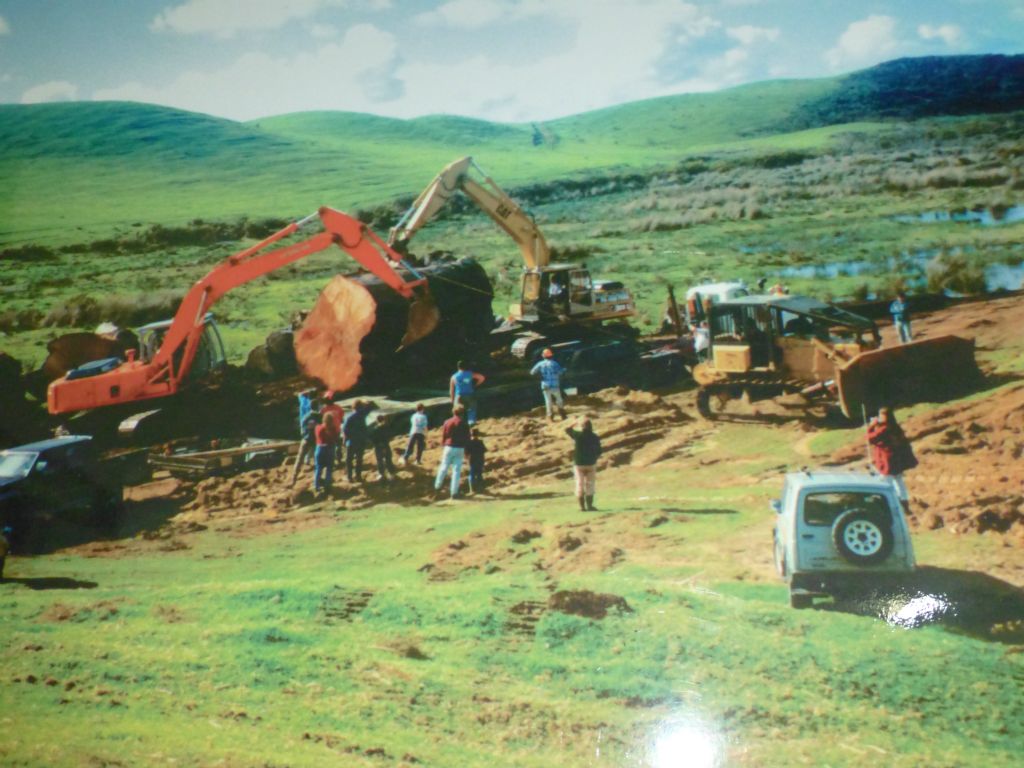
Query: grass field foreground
[358,639]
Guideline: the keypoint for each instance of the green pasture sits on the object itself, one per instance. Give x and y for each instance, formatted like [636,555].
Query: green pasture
[335,645]
[662,192]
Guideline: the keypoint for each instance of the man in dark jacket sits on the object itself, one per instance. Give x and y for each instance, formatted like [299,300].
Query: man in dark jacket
[354,431]
[586,451]
[380,437]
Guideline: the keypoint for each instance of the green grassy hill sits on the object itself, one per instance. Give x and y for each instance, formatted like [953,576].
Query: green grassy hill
[101,202]
[105,165]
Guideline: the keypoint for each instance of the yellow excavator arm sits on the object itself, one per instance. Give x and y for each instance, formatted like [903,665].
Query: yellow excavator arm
[490,198]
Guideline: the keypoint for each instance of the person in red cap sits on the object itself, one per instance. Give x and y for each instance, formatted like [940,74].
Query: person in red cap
[338,412]
[550,373]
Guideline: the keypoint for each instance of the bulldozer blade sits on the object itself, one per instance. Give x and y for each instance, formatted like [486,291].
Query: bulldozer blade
[930,370]
[423,319]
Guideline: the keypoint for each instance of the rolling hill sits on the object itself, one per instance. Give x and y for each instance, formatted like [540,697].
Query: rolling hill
[94,168]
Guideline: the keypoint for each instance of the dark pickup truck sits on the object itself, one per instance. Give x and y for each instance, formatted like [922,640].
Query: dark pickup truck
[53,486]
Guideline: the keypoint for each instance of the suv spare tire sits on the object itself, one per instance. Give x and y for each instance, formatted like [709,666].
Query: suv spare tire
[862,537]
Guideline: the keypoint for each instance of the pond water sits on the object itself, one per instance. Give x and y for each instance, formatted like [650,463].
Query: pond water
[987,217]
[912,266]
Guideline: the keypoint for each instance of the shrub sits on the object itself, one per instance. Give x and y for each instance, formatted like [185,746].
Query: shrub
[28,253]
[83,311]
[20,320]
[574,252]
[954,273]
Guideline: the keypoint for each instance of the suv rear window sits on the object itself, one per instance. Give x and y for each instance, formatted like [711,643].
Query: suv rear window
[824,508]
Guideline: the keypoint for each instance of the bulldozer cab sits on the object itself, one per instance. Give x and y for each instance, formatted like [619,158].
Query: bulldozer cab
[795,334]
[742,337]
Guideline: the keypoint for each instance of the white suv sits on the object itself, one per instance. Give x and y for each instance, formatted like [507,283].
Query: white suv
[837,532]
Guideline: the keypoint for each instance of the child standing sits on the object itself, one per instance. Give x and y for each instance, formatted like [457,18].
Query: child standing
[475,452]
[417,434]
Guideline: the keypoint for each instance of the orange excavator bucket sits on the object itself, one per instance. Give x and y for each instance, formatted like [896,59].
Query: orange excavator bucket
[930,370]
[423,318]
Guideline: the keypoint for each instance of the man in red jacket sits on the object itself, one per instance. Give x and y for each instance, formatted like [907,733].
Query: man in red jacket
[891,452]
[338,412]
[455,438]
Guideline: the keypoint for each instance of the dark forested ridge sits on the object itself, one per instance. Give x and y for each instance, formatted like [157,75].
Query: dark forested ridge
[930,86]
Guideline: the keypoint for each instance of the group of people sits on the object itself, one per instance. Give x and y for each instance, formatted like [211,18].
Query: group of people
[333,439]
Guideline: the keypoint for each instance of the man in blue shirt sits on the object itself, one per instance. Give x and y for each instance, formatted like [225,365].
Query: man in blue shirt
[550,373]
[900,312]
[462,390]
[308,407]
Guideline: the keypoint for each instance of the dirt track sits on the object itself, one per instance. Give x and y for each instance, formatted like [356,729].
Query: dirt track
[969,478]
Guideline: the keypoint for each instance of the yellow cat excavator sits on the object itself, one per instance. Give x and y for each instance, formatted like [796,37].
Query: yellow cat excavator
[551,295]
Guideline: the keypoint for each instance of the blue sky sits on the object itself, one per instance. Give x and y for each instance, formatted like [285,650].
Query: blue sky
[505,60]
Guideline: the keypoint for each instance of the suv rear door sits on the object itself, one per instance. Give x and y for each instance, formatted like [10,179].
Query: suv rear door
[816,516]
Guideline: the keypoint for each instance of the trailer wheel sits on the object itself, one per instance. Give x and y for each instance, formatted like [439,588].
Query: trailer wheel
[861,537]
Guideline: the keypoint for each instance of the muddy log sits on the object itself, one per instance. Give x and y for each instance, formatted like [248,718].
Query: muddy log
[462,293]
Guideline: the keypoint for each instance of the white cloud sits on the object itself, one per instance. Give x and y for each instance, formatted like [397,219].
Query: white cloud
[467,14]
[226,18]
[323,31]
[864,43]
[55,90]
[748,35]
[951,34]
[613,53]
[610,53]
[256,84]
[5,28]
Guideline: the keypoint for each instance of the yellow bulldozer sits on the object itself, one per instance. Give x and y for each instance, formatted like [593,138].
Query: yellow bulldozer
[761,347]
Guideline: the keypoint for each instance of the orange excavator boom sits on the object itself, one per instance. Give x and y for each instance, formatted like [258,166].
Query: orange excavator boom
[162,375]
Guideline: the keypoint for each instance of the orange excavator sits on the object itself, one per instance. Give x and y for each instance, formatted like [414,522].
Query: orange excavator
[167,358]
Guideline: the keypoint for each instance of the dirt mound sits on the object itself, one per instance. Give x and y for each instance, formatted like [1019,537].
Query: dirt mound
[636,428]
[968,478]
[592,605]
[74,349]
